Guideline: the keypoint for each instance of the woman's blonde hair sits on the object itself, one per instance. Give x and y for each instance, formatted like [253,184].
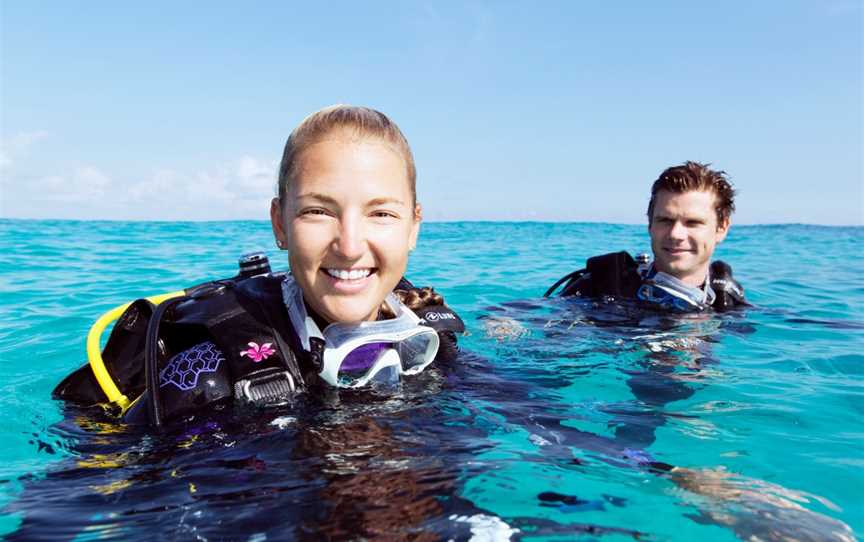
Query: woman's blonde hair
[362,121]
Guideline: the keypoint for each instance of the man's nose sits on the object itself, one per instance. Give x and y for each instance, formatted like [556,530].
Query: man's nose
[678,230]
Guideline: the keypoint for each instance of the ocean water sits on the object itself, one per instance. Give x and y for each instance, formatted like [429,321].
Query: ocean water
[561,419]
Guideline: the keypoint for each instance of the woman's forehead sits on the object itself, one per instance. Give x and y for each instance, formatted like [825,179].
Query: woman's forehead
[336,171]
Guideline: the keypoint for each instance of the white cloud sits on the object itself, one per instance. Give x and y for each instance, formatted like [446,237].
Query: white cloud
[13,147]
[23,140]
[84,184]
[162,183]
[236,189]
[256,174]
[239,189]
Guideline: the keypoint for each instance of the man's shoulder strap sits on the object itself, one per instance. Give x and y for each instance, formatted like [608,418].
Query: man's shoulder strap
[729,292]
[614,274]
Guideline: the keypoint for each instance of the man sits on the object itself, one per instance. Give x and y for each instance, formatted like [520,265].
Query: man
[688,215]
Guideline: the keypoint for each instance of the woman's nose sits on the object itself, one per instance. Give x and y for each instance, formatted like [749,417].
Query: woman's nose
[350,240]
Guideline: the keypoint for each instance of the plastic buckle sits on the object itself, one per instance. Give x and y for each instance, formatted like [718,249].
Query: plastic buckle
[269,387]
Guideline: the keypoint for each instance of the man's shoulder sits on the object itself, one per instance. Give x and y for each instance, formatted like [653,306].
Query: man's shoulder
[728,291]
[610,274]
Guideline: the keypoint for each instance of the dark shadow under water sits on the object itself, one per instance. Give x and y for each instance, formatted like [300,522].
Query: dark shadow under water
[393,465]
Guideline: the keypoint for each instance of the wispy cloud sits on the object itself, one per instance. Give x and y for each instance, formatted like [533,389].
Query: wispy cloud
[83,184]
[238,189]
[18,144]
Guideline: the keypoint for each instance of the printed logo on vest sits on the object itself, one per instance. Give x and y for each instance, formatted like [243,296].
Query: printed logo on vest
[257,353]
[184,369]
[435,316]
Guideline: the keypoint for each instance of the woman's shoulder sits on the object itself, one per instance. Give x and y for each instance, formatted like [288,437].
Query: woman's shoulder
[430,307]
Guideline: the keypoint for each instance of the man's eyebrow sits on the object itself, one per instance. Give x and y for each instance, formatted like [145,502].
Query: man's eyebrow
[384,201]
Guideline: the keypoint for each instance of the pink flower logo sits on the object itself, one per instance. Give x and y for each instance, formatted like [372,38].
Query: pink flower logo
[257,353]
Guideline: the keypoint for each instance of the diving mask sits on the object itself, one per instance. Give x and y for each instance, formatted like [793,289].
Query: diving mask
[668,292]
[353,355]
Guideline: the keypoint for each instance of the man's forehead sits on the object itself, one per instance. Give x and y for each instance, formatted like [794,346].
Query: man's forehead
[689,198]
[692,203]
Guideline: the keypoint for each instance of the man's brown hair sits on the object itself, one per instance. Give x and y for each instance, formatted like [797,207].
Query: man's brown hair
[691,176]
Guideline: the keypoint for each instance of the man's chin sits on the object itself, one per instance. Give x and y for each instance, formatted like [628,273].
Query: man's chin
[675,269]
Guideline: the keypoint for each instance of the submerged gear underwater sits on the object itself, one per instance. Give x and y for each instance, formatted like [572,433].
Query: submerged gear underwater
[618,275]
[245,339]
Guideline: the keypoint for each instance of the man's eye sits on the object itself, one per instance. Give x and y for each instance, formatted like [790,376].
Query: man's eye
[384,214]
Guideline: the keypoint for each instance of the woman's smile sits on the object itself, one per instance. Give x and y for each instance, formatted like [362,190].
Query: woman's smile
[348,281]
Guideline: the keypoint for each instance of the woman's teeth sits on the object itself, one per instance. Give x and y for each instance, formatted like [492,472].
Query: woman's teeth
[348,274]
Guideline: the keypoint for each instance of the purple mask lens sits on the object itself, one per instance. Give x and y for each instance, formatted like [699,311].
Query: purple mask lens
[362,358]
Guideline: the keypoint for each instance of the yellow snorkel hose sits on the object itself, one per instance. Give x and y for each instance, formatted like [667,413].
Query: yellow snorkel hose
[94,352]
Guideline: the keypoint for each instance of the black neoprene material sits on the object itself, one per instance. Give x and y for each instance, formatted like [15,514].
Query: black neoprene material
[230,314]
[151,360]
[729,292]
[123,357]
[616,274]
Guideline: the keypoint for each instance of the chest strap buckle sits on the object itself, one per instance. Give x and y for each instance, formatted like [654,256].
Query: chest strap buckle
[267,387]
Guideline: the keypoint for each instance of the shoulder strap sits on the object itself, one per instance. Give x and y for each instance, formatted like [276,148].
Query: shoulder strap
[729,292]
[441,318]
[614,274]
[250,325]
[570,279]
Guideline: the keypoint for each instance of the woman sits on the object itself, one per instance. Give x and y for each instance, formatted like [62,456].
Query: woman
[348,215]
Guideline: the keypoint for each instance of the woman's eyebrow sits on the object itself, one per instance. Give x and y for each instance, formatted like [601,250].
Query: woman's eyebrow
[323,198]
[317,196]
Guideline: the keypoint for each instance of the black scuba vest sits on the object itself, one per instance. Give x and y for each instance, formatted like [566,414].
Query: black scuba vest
[617,275]
[225,340]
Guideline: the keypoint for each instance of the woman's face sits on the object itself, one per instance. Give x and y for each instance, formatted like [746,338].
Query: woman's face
[349,221]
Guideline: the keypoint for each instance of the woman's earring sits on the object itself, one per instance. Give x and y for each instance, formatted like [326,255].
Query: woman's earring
[280,243]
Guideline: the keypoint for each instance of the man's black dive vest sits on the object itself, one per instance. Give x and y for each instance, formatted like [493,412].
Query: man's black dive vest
[235,341]
[617,275]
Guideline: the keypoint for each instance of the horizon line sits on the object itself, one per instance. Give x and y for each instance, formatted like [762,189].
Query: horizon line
[432,221]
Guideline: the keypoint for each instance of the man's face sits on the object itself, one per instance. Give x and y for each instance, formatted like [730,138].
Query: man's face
[684,232]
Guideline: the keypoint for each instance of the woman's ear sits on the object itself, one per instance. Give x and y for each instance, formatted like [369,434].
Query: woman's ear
[278,225]
[415,228]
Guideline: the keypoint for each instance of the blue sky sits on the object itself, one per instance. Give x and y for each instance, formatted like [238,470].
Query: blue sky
[515,110]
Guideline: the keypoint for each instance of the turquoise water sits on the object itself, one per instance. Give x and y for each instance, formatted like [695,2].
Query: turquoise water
[547,425]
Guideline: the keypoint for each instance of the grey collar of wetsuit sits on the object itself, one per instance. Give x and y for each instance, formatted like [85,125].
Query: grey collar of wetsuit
[664,289]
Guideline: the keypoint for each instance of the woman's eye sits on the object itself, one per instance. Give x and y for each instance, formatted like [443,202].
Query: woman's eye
[313,212]
[384,214]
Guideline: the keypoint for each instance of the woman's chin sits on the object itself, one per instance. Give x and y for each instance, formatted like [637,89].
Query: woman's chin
[350,312]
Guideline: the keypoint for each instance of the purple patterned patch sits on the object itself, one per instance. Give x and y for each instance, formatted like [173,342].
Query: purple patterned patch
[184,368]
